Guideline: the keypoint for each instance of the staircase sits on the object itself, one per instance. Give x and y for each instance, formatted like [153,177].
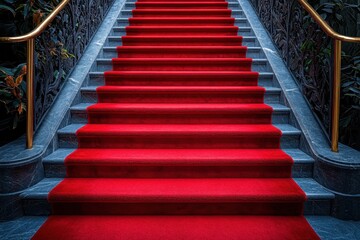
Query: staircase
[180,109]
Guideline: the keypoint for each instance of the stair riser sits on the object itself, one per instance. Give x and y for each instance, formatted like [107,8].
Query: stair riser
[71,141]
[122,31]
[118,41]
[172,97]
[193,13]
[243,208]
[277,118]
[250,53]
[184,5]
[181,66]
[177,118]
[41,207]
[53,170]
[239,22]
[256,66]
[99,80]
[81,171]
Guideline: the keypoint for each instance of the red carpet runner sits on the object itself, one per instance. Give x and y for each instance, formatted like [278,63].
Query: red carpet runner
[180,144]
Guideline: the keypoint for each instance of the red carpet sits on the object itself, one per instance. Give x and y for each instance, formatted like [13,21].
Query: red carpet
[180,144]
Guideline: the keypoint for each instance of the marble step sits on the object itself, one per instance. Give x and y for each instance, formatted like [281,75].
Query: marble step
[251,52]
[121,31]
[258,65]
[290,136]
[34,199]
[113,41]
[54,163]
[239,21]
[96,78]
[280,114]
[237,12]
[231,5]
[272,95]
[328,228]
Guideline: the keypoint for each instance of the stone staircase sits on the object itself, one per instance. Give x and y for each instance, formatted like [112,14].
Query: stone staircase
[319,200]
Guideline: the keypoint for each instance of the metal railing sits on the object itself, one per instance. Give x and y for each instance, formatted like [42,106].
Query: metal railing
[338,39]
[29,39]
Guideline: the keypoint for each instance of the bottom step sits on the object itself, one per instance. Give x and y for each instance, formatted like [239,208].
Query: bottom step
[175,227]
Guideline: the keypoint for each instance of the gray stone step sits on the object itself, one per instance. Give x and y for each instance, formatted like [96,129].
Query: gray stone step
[131,5]
[89,95]
[239,21]
[290,136]
[258,65]
[237,12]
[121,31]
[252,52]
[35,202]
[328,228]
[266,79]
[113,41]
[280,115]
[54,163]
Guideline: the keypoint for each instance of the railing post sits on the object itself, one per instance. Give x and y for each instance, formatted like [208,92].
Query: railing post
[30,93]
[335,111]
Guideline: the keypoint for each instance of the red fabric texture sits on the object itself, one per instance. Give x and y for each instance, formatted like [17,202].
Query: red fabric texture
[180,144]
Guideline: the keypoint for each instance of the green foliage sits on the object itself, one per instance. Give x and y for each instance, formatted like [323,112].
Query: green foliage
[342,16]
[12,91]
[21,17]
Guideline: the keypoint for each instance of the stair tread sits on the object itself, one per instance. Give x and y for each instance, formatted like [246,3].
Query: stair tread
[60,154]
[312,189]
[182,88]
[254,107]
[180,157]
[205,128]
[177,190]
[177,227]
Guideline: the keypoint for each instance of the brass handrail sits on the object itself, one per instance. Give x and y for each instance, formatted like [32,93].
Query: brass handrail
[338,38]
[29,38]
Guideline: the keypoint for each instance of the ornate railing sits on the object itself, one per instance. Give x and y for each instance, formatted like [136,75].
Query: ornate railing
[73,24]
[303,44]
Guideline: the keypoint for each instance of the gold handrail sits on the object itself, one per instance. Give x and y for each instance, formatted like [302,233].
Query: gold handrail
[338,38]
[29,38]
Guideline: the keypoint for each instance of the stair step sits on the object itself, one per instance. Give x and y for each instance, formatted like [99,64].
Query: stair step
[179,4]
[54,163]
[177,196]
[178,113]
[179,94]
[175,21]
[181,78]
[178,136]
[178,227]
[202,31]
[182,13]
[248,41]
[182,64]
[182,51]
[179,163]
[35,201]
[138,113]
[160,30]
